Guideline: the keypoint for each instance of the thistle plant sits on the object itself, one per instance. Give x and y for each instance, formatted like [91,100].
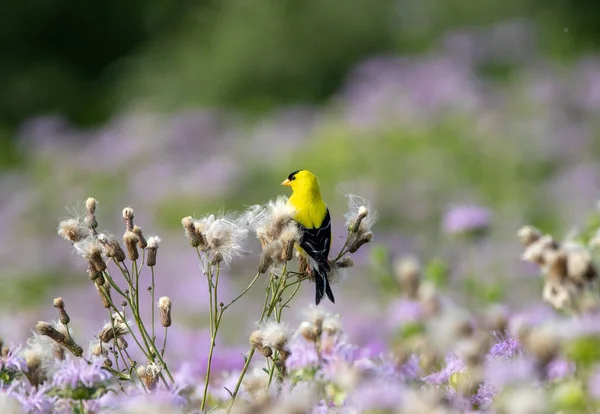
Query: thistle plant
[120,298]
[218,240]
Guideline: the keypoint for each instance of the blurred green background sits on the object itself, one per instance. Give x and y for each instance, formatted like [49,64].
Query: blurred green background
[183,108]
[87,60]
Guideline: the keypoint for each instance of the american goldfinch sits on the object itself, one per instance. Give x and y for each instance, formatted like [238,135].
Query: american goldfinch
[312,216]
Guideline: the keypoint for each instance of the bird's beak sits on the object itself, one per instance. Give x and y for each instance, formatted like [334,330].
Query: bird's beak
[287,183]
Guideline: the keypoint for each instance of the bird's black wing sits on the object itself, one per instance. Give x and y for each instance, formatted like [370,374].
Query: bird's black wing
[316,242]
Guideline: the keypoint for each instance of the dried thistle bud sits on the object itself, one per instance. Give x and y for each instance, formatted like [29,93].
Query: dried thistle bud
[580,268]
[152,248]
[149,375]
[46,329]
[111,247]
[408,275]
[216,258]
[142,243]
[288,250]
[529,235]
[559,295]
[91,250]
[71,230]
[104,293]
[345,262]
[308,331]
[302,264]
[35,374]
[108,363]
[256,339]
[62,313]
[90,219]
[555,263]
[164,305]
[265,262]
[364,238]
[543,344]
[537,250]
[113,330]
[192,233]
[355,225]
[284,354]
[128,218]
[130,239]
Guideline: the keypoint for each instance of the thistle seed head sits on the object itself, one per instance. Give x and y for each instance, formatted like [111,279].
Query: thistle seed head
[130,239]
[104,292]
[149,375]
[113,330]
[164,303]
[345,262]
[529,235]
[128,218]
[72,230]
[46,329]
[62,313]
[111,247]
[152,248]
[142,243]
[308,331]
[407,273]
[358,241]
[580,268]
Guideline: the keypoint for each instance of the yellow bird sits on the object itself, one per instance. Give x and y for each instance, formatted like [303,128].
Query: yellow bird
[312,216]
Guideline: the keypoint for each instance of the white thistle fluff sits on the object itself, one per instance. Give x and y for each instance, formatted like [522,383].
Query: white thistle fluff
[358,205]
[274,334]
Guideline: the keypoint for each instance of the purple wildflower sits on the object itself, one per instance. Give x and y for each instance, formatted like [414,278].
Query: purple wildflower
[303,354]
[466,219]
[77,372]
[453,365]
[485,396]
[404,311]
[505,348]
[12,362]
[559,369]
[33,400]
[500,373]
[377,394]
[593,384]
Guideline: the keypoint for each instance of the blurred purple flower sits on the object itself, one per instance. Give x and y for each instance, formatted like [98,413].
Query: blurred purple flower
[33,400]
[505,348]
[13,362]
[559,369]
[593,384]
[77,372]
[502,372]
[303,354]
[485,396]
[376,394]
[404,311]
[466,219]
[453,365]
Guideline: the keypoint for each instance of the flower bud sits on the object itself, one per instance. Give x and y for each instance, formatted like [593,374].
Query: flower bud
[46,329]
[62,313]
[128,218]
[164,304]
[142,243]
[152,248]
[130,239]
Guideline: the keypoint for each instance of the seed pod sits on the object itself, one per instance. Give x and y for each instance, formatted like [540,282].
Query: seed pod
[164,304]
[48,330]
[130,239]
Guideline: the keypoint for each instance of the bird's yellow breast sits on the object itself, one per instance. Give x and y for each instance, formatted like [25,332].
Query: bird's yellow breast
[309,212]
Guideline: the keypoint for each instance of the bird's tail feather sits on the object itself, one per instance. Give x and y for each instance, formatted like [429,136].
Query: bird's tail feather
[322,285]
